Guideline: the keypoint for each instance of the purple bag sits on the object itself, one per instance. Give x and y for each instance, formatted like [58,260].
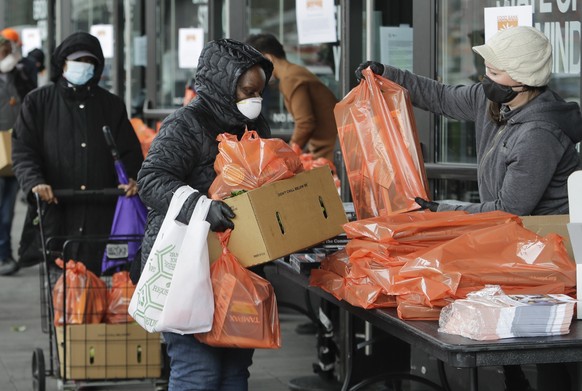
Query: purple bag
[129,221]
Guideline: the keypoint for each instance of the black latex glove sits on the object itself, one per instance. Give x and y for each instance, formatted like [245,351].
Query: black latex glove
[424,204]
[219,216]
[376,67]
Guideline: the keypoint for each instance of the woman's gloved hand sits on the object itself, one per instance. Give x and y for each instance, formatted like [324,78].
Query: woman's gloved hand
[424,204]
[376,67]
[219,216]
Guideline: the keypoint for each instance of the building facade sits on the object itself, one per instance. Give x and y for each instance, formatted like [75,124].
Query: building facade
[430,37]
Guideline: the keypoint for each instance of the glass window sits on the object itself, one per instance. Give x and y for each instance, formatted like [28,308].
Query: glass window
[172,16]
[461,26]
[86,14]
[279,19]
[135,55]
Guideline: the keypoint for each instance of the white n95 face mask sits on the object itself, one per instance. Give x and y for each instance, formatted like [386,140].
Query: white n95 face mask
[8,63]
[251,107]
[79,73]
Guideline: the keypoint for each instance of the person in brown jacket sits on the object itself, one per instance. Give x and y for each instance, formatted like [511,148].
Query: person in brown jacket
[306,98]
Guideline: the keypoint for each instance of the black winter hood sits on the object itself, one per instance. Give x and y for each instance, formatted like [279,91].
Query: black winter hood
[221,64]
[73,43]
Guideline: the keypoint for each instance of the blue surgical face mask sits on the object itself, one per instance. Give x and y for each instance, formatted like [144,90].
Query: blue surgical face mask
[79,73]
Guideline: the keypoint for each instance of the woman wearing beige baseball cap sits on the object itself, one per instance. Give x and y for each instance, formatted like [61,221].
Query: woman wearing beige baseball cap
[525,132]
[525,136]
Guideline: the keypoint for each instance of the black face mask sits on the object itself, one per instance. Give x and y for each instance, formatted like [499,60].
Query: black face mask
[498,93]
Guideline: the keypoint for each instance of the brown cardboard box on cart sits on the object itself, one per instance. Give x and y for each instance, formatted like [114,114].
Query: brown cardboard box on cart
[108,351]
[6,153]
[283,217]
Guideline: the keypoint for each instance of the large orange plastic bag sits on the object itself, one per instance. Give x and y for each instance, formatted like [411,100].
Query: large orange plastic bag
[118,298]
[367,295]
[371,283]
[245,312]
[424,228]
[387,253]
[337,277]
[86,295]
[380,147]
[507,255]
[329,281]
[339,263]
[361,293]
[250,163]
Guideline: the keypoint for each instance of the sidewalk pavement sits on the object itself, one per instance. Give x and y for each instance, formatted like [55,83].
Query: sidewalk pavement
[21,333]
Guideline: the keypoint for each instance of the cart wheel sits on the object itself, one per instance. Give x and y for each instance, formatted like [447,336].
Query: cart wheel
[38,371]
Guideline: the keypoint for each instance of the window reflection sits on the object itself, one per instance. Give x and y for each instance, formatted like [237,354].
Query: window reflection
[174,15]
[461,26]
[279,19]
[86,14]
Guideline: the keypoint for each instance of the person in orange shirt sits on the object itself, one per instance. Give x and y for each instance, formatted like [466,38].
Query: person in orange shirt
[306,98]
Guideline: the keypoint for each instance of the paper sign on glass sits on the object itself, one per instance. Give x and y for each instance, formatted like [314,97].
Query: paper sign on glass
[315,21]
[190,44]
[396,46]
[104,33]
[31,39]
[501,18]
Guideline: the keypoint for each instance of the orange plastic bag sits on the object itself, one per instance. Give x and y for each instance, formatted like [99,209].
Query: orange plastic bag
[358,292]
[424,228]
[118,298]
[342,279]
[507,255]
[380,147]
[250,163]
[144,134]
[309,163]
[245,307]
[86,295]
[328,281]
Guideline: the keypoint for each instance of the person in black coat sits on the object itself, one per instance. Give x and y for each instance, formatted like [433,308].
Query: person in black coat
[13,88]
[230,78]
[58,143]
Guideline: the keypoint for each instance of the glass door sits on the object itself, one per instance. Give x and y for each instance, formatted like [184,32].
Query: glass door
[97,17]
[279,18]
[460,27]
[167,73]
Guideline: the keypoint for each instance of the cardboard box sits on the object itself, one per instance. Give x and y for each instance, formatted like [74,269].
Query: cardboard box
[5,153]
[543,225]
[108,351]
[283,217]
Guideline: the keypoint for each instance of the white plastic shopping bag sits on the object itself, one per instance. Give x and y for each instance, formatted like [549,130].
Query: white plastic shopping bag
[174,292]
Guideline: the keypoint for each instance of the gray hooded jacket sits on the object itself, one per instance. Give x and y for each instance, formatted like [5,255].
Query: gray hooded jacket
[523,165]
[185,148]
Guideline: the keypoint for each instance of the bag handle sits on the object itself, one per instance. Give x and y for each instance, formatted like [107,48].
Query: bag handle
[180,196]
[250,135]
[201,209]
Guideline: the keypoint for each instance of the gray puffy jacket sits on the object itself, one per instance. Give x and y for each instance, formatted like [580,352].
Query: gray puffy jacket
[523,165]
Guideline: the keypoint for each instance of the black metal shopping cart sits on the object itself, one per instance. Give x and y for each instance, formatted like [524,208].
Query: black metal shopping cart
[82,351]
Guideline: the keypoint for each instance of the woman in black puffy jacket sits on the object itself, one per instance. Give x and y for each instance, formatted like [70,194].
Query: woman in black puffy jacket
[230,78]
